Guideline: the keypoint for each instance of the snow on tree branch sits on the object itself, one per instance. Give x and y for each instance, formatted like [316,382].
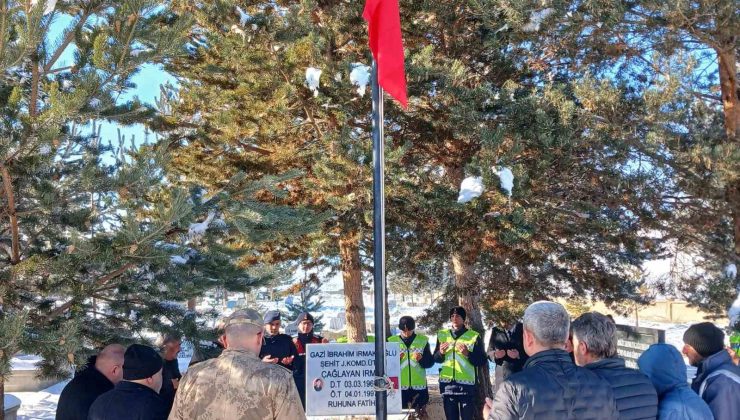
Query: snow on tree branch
[312,80]
[360,77]
[470,188]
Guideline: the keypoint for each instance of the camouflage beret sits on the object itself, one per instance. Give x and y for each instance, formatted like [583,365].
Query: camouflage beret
[244,316]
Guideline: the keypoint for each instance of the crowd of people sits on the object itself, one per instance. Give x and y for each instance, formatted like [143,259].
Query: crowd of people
[550,368]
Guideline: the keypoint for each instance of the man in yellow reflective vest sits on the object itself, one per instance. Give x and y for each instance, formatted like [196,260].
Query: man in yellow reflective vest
[460,351]
[416,358]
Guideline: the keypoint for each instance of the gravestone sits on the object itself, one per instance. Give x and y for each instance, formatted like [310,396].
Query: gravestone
[340,379]
[633,341]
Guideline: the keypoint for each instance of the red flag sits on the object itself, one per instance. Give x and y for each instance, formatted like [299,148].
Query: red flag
[384,21]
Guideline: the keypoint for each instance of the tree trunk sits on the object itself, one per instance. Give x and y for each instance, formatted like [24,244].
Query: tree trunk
[467,288]
[191,304]
[637,317]
[387,317]
[15,255]
[2,398]
[727,59]
[354,307]
[728,86]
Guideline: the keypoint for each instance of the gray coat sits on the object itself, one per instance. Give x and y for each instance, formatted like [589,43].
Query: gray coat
[551,386]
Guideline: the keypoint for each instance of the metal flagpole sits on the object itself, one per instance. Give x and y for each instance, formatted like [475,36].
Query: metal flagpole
[381,396]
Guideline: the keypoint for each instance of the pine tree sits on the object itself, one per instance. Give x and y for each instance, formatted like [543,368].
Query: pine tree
[309,291]
[91,234]
[574,222]
[257,114]
[677,61]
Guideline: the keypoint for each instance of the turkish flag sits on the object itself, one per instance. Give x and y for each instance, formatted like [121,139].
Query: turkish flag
[384,21]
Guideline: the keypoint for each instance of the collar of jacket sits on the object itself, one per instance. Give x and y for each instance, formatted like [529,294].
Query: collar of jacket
[129,386]
[608,363]
[457,333]
[269,337]
[245,352]
[548,356]
[408,340]
[714,362]
[91,372]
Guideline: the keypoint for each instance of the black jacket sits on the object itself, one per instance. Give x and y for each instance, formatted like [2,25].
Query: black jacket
[552,387]
[79,394]
[129,401]
[280,346]
[634,392]
[502,339]
[170,371]
[299,363]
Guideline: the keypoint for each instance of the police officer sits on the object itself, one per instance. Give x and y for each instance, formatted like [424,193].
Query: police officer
[237,384]
[277,348]
[460,351]
[416,357]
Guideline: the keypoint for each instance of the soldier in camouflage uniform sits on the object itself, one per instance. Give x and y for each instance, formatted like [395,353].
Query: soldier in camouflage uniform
[237,384]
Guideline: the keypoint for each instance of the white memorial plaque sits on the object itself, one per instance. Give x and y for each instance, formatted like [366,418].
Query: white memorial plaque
[339,379]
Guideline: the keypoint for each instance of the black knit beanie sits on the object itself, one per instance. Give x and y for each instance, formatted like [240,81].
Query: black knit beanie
[459,310]
[705,338]
[140,362]
[406,323]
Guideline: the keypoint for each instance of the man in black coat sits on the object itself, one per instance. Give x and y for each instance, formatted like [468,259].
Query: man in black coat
[137,396]
[277,348]
[506,349]
[595,348]
[170,347]
[550,386]
[99,376]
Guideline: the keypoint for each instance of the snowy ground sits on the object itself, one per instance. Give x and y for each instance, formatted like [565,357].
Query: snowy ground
[39,405]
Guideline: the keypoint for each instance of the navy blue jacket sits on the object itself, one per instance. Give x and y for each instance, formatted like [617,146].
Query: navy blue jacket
[635,394]
[552,387]
[129,401]
[280,346]
[665,367]
[718,383]
[79,394]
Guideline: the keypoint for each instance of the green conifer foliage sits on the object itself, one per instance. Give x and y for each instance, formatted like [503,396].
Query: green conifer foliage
[676,62]
[89,229]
